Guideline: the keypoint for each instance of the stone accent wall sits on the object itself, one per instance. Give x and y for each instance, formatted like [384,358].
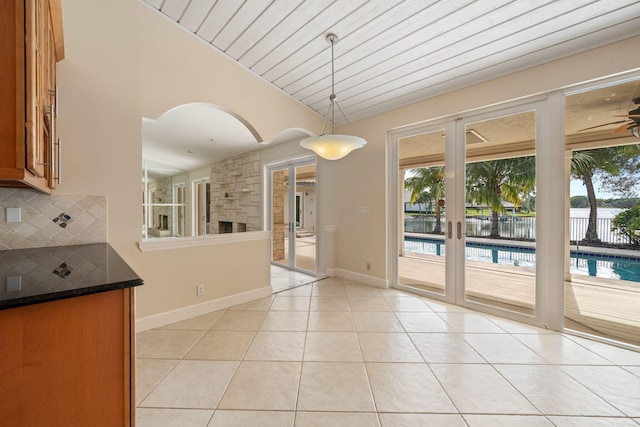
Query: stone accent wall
[277,212]
[51,220]
[236,192]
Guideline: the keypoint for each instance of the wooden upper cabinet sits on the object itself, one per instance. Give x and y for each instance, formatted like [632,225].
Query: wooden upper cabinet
[29,147]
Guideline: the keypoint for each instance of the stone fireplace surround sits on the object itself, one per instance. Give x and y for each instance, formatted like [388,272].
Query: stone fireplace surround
[236,194]
[231,227]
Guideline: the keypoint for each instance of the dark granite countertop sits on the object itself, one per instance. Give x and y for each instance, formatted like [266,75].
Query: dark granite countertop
[32,276]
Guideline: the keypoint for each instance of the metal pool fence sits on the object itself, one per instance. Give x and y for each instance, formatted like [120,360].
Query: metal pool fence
[513,227]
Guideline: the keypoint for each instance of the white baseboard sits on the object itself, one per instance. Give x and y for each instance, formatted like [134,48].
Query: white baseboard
[184,313]
[358,277]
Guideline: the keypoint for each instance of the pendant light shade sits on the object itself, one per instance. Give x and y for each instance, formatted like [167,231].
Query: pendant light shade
[332,146]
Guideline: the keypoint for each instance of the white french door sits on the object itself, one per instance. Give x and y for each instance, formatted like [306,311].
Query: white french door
[291,211]
[201,206]
[495,222]
[426,165]
[470,211]
[179,209]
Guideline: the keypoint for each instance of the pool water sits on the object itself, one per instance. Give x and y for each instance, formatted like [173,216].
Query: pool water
[587,264]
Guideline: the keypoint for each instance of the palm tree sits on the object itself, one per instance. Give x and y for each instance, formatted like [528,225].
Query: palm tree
[428,183]
[608,161]
[492,182]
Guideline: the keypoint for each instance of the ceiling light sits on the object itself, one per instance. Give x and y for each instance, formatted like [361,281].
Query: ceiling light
[332,146]
[635,131]
[473,136]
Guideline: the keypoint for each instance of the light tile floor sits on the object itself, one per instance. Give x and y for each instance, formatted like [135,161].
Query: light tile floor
[283,279]
[339,353]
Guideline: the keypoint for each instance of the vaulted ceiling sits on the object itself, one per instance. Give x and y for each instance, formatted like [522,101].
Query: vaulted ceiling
[395,52]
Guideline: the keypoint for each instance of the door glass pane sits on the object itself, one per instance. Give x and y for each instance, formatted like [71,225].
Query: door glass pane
[305,217]
[202,207]
[279,216]
[207,207]
[500,214]
[421,262]
[164,201]
[199,209]
[179,209]
[602,262]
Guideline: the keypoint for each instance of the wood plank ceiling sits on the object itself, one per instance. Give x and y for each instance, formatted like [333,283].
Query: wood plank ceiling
[395,52]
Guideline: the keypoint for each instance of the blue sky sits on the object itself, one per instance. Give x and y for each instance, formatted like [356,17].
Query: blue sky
[578,189]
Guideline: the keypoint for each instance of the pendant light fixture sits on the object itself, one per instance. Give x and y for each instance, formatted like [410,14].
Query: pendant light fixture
[332,146]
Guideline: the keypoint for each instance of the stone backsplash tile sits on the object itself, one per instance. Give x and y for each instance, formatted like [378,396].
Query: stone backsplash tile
[51,220]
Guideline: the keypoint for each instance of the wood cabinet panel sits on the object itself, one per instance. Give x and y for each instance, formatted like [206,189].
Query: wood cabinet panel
[11,372]
[28,57]
[67,362]
[12,77]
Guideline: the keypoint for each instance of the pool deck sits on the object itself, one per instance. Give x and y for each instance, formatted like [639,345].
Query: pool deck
[605,307]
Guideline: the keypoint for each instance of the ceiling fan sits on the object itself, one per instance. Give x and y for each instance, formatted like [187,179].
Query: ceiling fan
[632,122]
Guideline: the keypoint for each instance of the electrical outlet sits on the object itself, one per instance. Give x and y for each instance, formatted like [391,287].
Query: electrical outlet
[199,290]
[14,215]
[368,266]
[14,283]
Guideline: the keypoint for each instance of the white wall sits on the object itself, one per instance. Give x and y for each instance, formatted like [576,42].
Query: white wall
[124,62]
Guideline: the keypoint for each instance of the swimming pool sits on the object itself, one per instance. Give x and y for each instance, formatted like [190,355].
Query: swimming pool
[587,264]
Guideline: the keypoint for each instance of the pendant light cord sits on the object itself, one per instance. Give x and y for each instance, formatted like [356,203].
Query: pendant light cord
[332,97]
[333,39]
[333,147]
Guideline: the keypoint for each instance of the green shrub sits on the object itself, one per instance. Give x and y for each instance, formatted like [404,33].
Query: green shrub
[626,223]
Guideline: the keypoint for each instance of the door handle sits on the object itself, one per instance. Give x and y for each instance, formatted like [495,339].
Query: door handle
[58,177]
[449,230]
[459,230]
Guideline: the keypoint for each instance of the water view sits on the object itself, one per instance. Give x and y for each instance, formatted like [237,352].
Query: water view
[524,227]
[597,265]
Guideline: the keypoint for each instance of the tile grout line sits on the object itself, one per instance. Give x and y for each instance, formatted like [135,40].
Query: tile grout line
[504,332]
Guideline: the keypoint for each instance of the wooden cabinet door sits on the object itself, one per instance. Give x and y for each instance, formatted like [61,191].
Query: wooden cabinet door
[31,44]
[33,64]
[40,88]
[68,362]
[51,111]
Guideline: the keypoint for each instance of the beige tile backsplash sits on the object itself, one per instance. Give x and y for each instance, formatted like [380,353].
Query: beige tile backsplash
[51,220]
